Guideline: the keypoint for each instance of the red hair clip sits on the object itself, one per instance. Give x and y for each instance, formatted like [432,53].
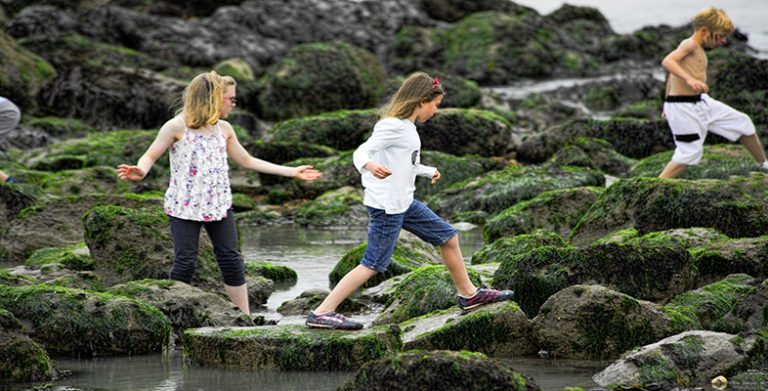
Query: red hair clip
[435,82]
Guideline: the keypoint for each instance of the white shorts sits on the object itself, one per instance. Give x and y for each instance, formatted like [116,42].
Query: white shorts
[690,123]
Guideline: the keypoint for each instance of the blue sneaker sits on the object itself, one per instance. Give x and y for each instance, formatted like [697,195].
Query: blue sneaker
[483,296]
[11,180]
[332,320]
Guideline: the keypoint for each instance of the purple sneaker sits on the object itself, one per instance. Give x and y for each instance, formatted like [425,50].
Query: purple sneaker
[332,320]
[484,296]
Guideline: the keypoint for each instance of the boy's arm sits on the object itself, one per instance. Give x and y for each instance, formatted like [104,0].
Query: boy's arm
[672,64]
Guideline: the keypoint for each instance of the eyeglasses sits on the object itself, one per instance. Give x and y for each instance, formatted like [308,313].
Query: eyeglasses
[232,100]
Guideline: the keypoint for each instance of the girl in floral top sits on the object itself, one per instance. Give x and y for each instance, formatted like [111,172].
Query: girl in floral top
[199,194]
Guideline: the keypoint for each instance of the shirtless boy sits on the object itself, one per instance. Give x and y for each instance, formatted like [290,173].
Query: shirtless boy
[690,112]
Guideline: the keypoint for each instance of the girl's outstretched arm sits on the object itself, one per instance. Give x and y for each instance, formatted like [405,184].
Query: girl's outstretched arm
[168,134]
[245,160]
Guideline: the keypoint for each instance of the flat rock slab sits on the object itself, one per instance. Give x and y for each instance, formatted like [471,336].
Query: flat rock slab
[290,348]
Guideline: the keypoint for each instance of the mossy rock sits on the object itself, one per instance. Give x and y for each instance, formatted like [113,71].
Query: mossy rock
[343,130]
[455,10]
[23,360]
[738,79]
[468,132]
[13,199]
[496,329]
[593,322]
[91,180]
[77,322]
[645,109]
[75,257]
[689,359]
[236,68]
[689,238]
[242,202]
[594,153]
[499,190]
[719,162]
[453,169]
[8,322]
[23,74]
[133,244]
[318,77]
[706,307]
[556,211]
[426,289]
[289,348]
[654,273]
[184,305]
[410,254]
[437,370]
[102,149]
[67,51]
[13,278]
[60,128]
[506,247]
[280,152]
[602,98]
[630,137]
[337,171]
[55,222]
[281,275]
[733,206]
[716,260]
[483,48]
[339,207]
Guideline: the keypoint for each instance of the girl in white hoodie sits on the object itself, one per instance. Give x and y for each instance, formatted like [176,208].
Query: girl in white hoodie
[389,162]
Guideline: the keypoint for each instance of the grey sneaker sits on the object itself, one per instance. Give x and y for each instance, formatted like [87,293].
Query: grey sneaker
[764,166]
[483,296]
[332,320]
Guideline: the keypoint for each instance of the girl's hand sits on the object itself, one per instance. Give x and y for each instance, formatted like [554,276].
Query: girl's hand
[436,177]
[378,170]
[306,173]
[131,173]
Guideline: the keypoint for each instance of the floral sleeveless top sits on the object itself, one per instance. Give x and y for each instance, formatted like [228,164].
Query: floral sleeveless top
[199,186]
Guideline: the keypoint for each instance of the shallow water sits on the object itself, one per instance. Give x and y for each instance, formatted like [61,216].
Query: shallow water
[312,253]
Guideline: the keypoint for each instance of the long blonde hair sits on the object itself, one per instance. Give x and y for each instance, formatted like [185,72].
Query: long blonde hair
[203,98]
[418,88]
[713,19]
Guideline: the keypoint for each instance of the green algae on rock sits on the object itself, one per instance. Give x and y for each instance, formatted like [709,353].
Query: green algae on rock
[289,348]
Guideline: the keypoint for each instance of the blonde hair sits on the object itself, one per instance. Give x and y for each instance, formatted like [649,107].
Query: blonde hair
[713,19]
[417,88]
[203,98]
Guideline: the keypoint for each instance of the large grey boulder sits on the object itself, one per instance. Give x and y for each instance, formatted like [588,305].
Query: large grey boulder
[594,322]
[692,358]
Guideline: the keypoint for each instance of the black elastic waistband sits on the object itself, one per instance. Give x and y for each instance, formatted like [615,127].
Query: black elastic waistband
[683,98]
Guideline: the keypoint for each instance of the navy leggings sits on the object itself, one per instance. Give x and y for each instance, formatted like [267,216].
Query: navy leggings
[186,246]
